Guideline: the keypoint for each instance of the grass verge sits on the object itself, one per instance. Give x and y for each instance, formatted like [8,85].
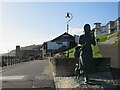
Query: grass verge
[96,52]
[103,38]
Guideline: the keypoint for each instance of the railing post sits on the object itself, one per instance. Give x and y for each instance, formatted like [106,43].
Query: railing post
[6,61]
[16,60]
[3,63]
[11,60]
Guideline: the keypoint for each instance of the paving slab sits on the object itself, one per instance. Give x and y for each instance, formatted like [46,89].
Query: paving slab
[99,80]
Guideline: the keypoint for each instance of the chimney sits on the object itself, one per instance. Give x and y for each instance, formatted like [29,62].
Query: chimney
[17,51]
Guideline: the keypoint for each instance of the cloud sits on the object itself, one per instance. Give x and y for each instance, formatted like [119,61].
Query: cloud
[76,31]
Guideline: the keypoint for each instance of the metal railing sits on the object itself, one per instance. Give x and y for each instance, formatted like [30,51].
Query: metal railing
[11,60]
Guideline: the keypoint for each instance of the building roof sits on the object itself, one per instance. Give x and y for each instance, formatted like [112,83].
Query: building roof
[110,22]
[97,23]
[64,35]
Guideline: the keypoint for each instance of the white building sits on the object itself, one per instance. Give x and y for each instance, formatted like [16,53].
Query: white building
[53,45]
[117,24]
[59,44]
[109,28]
[77,37]
[103,30]
[97,29]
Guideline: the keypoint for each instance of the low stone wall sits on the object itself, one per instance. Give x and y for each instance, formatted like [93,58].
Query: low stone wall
[63,66]
[66,66]
[101,63]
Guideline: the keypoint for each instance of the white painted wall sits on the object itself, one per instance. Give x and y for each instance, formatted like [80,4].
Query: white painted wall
[77,39]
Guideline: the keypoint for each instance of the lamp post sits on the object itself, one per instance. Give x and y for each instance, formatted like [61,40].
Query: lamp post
[68,16]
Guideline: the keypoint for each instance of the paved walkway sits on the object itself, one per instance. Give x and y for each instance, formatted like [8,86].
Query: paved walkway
[28,75]
[111,40]
[100,80]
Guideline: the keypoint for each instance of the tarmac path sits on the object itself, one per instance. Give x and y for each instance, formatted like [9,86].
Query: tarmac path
[28,75]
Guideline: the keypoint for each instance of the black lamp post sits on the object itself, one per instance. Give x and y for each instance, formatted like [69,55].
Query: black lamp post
[68,16]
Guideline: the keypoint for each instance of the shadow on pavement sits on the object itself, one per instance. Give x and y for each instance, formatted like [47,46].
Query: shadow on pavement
[115,73]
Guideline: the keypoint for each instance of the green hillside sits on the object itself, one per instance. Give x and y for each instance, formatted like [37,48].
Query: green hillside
[96,52]
[103,38]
